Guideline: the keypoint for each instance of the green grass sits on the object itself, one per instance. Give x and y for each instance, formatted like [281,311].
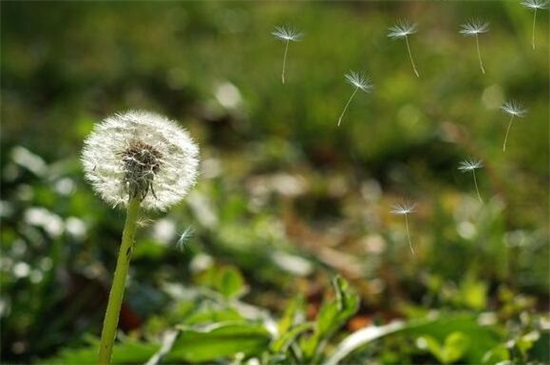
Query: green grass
[286,199]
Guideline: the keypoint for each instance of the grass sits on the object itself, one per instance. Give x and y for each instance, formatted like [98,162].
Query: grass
[286,198]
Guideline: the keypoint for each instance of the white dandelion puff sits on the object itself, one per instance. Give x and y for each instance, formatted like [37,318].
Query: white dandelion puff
[515,109]
[472,29]
[472,165]
[140,154]
[360,82]
[402,30]
[535,5]
[286,34]
[405,209]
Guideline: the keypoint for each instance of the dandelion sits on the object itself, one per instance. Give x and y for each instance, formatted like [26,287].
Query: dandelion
[535,5]
[402,30]
[137,160]
[143,155]
[472,165]
[474,28]
[405,209]
[286,34]
[359,81]
[515,109]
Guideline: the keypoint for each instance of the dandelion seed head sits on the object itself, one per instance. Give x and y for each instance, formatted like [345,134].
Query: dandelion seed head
[140,154]
[470,164]
[360,81]
[403,208]
[514,108]
[402,29]
[474,27]
[535,4]
[287,33]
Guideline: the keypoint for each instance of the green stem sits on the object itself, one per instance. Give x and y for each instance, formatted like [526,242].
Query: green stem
[119,280]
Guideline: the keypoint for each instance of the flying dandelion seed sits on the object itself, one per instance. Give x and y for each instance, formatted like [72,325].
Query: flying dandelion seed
[515,109]
[359,81]
[535,5]
[182,243]
[402,30]
[286,34]
[472,165]
[405,209]
[472,29]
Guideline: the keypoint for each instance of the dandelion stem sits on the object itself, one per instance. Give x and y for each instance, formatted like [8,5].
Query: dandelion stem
[346,107]
[410,56]
[284,62]
[477,189]
[479,55]
[534,22]
[408,233]
[119,280]
[507,131]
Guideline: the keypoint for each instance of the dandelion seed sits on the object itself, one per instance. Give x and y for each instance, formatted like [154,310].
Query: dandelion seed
[184,238]
[472,29]
[515,109]
[472,165]
[402,30]
[286,34]
[405,209]
[535,5]
[359,81]
[140,154]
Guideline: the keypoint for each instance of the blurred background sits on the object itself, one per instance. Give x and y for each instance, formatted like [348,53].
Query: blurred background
[285,196]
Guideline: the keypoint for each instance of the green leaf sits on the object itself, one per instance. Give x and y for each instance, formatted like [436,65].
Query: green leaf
[288,337]
[127,352]
[220,340]
[230,282]
[455,347]
[360,338]
[332,315]
[436,331]
[291,312]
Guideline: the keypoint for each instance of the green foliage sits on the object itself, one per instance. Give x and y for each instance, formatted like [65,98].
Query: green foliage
[286,201]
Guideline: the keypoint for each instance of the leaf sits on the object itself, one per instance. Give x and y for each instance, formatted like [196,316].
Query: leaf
[360,338]
[220,340]
[129,351]
[230,282]
[292,311]
[287,337]
[439,329]
[332,315]
[455,347]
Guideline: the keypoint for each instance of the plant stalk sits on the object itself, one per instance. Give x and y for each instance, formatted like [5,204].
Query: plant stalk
[116,295]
